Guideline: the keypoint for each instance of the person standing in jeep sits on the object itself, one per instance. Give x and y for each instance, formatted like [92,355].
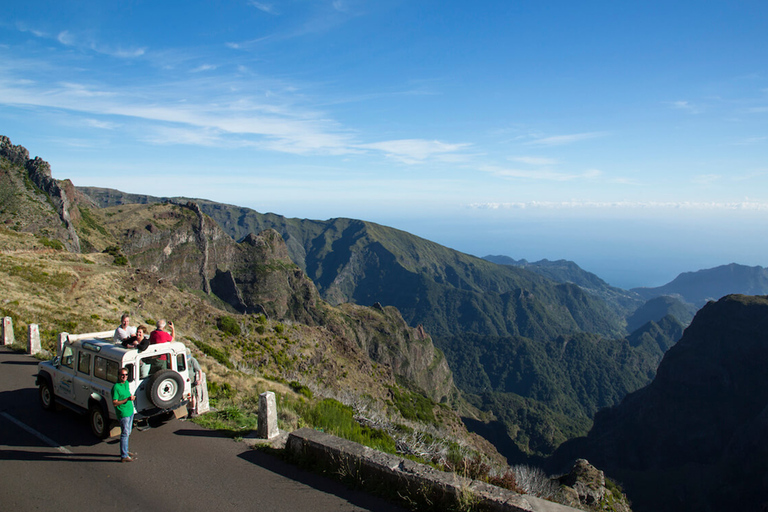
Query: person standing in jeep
[123,400]
[124,331]
[161,336]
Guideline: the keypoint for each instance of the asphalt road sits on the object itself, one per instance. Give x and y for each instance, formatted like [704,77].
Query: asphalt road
[51,461]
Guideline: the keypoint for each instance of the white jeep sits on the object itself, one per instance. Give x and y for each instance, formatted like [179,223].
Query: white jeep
[82,375]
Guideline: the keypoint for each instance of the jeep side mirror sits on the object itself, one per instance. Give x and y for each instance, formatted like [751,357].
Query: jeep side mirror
[56,361]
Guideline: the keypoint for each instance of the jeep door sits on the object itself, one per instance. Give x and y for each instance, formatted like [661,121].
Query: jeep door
[64,383]
[82,379]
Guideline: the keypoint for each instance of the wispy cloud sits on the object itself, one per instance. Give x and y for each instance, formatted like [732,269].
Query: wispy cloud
[751,141]
[534,160]
[22,27]
[560,140]
[540,174]
[204,67]
[686,106]
[706,179]
[67,38]
[264,7]
[101,125]
[280,127]
[412,151]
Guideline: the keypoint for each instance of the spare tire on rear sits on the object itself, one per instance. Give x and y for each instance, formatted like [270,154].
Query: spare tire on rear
[166,388]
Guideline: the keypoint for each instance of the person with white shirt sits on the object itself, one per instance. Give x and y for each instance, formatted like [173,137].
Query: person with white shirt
[124,331]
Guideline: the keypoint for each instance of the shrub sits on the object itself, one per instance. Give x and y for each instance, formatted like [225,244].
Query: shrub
[300,389]
[222,356]
[52,244]
[533,480]
[117,254]
[228,325]
[414,406]
[218,391]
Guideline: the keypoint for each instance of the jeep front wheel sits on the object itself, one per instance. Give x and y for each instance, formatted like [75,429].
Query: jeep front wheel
[166,389]
[99,421]
[46,396]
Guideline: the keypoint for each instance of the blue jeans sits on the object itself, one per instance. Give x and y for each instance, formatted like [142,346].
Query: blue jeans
[125,430]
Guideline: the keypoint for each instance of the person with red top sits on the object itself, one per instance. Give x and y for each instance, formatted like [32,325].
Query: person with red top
[161,336]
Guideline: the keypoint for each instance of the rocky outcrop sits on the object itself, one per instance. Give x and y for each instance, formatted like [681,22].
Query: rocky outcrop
[17,155]
[585,487]
[387,339]
[187,247]
[38,173]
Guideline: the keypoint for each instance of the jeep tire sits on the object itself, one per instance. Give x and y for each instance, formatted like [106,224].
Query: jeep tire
[99,421]
[46,395]
[166,388]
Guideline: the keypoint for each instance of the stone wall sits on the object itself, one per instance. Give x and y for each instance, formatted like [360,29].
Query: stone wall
[389,474]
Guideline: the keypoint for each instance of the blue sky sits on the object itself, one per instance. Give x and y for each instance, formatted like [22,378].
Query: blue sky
[630,137]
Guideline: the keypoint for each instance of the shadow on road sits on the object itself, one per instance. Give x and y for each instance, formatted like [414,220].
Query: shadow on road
[32,362]
[27,455]
[66,427]
[204,433]
[318,482]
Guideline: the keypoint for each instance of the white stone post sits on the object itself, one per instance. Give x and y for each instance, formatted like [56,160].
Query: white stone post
[33,341]
[267,428]
[8,337]
[203,405]
[62,338]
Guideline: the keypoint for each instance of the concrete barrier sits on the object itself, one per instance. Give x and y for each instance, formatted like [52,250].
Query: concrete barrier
[8,337]
[389,474]
[267,427]
[33,340]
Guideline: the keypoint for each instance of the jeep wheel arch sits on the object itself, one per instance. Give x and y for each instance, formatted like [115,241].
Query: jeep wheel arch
[99,420]
[165,389]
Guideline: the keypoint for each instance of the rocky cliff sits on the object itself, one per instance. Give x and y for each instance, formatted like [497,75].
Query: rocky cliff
[29,194]
[695,438]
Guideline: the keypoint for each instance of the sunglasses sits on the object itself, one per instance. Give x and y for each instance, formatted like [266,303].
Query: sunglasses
[123,374]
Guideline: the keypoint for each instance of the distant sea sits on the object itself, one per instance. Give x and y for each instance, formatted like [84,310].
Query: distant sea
[624,251]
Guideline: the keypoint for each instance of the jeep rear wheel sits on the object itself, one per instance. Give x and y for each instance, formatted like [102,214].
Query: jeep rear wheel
[46,396]
[165,389]
[99,421]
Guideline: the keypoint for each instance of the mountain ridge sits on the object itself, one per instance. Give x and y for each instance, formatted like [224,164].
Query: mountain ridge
[458,298]
[704,285]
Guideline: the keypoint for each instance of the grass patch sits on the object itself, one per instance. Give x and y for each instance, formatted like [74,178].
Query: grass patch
[222,356]
[35,275]
[51,244]
[88,221]
[414,406]
[336,418]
